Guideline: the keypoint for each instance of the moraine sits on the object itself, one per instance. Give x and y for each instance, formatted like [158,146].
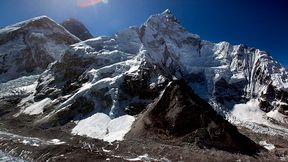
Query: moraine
[7,158]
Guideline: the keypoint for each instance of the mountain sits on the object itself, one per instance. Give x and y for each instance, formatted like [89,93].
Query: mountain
[128,71]
[180,114]
[77,28]
[29,46]
[156,86]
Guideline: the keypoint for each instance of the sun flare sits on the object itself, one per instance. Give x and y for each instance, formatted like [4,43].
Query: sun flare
[89,3]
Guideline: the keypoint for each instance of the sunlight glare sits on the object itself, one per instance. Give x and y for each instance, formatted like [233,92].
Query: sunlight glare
[89,3]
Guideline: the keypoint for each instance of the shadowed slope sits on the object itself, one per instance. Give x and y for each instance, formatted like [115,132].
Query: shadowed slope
[178,114]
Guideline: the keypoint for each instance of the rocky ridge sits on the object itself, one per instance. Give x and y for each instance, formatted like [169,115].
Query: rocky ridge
[77,28]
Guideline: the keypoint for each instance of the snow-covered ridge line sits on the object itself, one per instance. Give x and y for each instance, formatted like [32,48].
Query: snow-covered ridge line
[27,48]
[26,23]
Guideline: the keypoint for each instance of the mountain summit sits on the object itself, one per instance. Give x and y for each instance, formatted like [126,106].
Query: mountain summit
[28,47]
[77,28]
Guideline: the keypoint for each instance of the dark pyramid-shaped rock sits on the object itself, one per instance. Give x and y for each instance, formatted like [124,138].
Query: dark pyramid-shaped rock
[77,28]
[178,114]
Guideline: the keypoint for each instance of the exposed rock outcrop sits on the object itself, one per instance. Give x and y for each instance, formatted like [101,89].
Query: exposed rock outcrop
[180,115]
[77,28]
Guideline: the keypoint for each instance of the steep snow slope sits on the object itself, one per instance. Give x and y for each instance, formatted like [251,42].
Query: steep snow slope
[28,47]
[123,73]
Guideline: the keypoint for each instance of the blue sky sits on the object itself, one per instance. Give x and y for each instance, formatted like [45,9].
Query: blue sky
[258,23]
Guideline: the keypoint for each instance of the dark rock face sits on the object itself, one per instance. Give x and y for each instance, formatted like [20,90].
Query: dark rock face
[179,114]
[231,93]
[77,28]
[80,107]
[138,86]
[66,80]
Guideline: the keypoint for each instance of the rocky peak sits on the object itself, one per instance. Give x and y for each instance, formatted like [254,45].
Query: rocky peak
[169,15]
[163,20]
[29,46]
[77,28]
[179,114]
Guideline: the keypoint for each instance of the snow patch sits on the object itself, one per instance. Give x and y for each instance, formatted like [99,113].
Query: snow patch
[101,126]
[266,145]
[56,142]
[37,107]
[146,158]
[277,116]
[29,88]
[251,116]
[30,142]
[245,111]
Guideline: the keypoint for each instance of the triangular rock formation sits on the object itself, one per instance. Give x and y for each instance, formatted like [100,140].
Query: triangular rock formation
[77,28]
[180,115]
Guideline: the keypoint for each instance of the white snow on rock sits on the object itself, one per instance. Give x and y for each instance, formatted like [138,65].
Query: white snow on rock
[144,157]
[56,142]
[274,114]
[32,141]
[20,86]
[249,112]
[251,116]
[29,88]
[266,145]
[37,107]
[101,126]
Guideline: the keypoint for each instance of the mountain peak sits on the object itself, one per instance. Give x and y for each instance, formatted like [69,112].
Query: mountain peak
[163,18]
[36,42]
[169,15]
[167,11]
[39,22]
[39,19]
[77,28]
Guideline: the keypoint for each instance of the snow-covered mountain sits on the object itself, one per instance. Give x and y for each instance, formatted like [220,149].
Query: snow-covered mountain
[102,82]
[125,72]
[28,47]
[157,82]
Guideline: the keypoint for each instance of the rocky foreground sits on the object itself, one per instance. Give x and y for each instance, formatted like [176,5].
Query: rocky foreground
[153,142]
